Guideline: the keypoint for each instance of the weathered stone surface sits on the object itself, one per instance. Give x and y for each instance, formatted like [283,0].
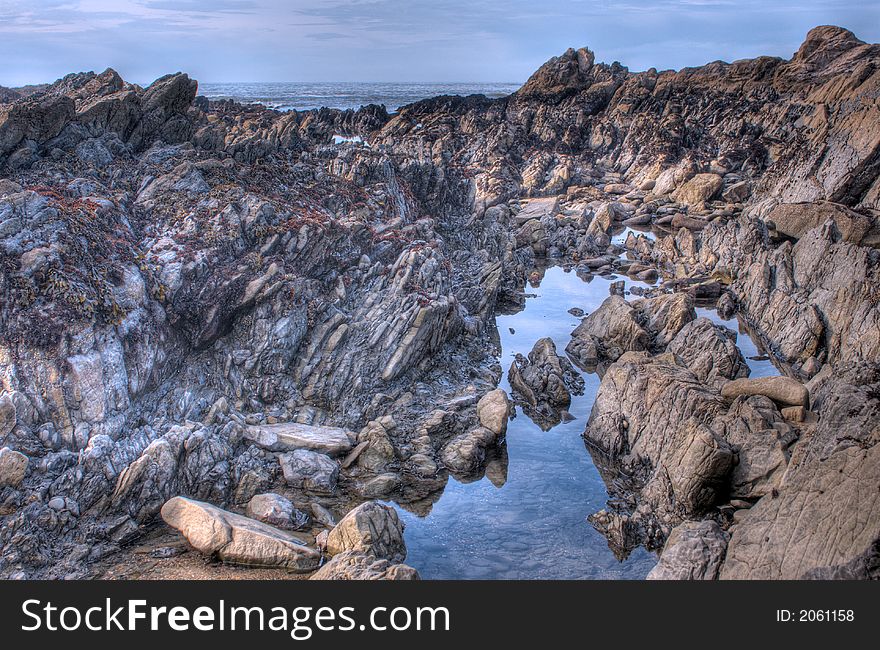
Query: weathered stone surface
[352,565]
[493,410]
[782,390]
[694,550]
[379,450]
[288,436]
[795,219]
[651,421]
[465,454]
[237,539]
[824,520]
[371,528]
[275,510]
[699,189]
[310,471]
[710,352]
[607,333]
[13,467]
[761,439]
[7,415]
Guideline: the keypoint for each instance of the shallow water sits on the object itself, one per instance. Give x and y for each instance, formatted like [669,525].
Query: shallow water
[535,525]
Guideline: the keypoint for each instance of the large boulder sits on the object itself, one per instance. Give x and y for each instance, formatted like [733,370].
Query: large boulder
[694,550]
[608,332]
[353,565]
[761,438]
[466,453]
[493,410]
[373,529]
[237,539]
[544,383]
[650,421]
[823,520]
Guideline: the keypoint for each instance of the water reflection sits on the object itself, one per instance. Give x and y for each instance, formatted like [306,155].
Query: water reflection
[525,515]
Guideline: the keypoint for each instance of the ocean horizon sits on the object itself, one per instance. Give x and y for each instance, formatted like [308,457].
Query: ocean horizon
[303,96]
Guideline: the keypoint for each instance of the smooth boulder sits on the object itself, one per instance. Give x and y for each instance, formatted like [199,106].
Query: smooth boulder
[237,539]
[782,390]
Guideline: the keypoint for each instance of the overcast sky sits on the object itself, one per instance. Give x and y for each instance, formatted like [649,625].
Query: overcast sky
[396,40]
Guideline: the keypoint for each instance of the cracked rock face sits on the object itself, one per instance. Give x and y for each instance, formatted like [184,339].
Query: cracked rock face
[371,528]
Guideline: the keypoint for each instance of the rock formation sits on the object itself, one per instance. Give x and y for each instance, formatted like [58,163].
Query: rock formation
[202,302]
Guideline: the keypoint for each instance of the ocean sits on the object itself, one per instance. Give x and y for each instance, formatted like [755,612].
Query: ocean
[303,96]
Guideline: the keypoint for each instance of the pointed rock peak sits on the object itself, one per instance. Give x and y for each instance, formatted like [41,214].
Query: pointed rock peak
[825,43]
[569,72]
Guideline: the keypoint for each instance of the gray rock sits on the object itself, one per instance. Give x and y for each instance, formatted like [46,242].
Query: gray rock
[710,352]
[289,436]
[275,510]
[310,471]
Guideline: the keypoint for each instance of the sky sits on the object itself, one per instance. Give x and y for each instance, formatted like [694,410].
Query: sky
[397,40]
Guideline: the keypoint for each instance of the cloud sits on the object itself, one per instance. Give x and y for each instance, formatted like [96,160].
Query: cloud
[376,40]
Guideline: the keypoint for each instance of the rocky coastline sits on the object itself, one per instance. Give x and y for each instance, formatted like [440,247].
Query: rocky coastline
[216,319]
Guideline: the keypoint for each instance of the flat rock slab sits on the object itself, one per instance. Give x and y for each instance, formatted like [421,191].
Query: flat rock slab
[537,208]
[237,539]
[782,390]
[289,436]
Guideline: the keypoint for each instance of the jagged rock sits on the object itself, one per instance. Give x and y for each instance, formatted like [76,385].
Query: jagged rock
[694,550]
[275,510]
[823,522]
[665,316]
[737,193]
[371,528]
[782,390]
[544,376]
[710,352]
[352,565]
[236,539]
[758,433]
[288,436]
[309,470]
[379,450]
[607,333]
[13,467]
[7,415]
[650,420]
